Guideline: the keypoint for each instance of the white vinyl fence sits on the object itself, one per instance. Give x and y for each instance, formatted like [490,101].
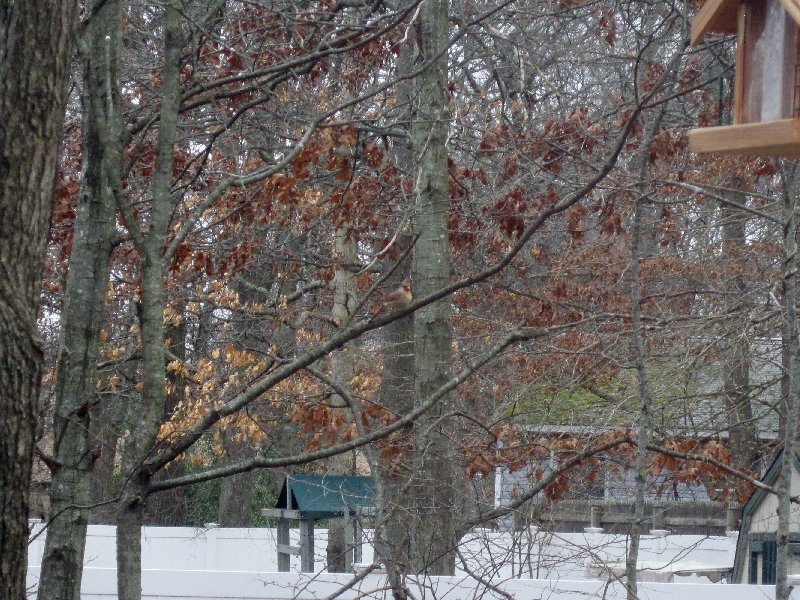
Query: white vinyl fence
[218,563]
[529,554]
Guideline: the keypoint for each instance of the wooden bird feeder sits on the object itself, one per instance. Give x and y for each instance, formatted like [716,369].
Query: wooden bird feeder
[309,498]
[766,102]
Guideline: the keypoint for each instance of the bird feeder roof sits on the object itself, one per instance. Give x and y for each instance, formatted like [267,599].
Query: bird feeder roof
[326,496]
[721,16]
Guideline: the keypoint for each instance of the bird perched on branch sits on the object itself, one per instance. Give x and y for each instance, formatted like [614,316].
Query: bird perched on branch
[399,298]
[396,300]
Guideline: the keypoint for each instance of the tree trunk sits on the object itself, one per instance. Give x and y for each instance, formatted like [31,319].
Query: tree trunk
[736,383]
[433,550]
[151,251]
[143,436]
[792,357]
[394,502]
[236,497]
[342,371]
[393,526]
[107,422]
[75,450]
[35,52]
[643,428]
[168,508]
[640,248]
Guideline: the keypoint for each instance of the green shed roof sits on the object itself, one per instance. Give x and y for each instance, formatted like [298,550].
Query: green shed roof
[326,496]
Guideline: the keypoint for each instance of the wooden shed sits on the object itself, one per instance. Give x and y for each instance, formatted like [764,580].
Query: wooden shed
[766,102]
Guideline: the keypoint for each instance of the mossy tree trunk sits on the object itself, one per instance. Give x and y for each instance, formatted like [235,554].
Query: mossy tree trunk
[151,249]
[75,448]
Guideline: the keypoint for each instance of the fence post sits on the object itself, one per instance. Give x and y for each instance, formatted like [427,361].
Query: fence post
[732,513]
[595,519]
[212,531]
[36,547]
[358,537]
[659,520]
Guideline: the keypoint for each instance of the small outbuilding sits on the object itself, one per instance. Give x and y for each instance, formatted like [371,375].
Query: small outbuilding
[309,498]
[766,102]
[757,546]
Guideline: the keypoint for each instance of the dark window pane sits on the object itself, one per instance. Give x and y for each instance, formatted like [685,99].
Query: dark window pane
[770,560]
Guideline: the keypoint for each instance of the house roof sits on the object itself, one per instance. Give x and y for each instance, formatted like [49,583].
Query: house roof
[326,496]
[769,478]
[722,16]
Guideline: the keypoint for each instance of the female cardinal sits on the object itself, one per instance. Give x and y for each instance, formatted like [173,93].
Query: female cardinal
[400,298]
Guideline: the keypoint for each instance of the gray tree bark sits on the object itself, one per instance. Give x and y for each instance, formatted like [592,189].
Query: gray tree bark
[151,247]
[394,520]
[75,449]
[433,543]
[342,371]
[736,385]
[236,496]
[644,425]
[108,428]
[394,500]
[639,250]
[35,52]
[792,405]
[168,508]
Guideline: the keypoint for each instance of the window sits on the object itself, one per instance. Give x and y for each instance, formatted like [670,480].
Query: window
[770,559]
[752,572]
[763,559]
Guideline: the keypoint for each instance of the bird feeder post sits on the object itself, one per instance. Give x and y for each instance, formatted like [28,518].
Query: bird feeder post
[307,545]
[284,558]
[349,539]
